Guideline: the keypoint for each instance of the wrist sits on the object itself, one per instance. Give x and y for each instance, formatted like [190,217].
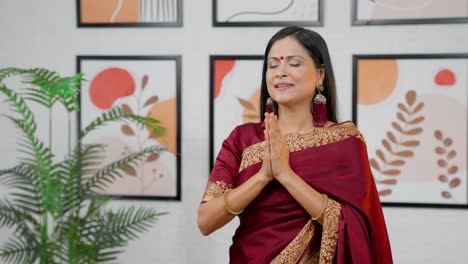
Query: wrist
[284,175]
[262,179]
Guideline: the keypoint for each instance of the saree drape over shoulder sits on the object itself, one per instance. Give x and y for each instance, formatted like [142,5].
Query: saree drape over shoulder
[275,228]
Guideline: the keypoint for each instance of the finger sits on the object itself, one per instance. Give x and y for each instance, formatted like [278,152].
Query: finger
[267,142]
[274,127]
[267,121]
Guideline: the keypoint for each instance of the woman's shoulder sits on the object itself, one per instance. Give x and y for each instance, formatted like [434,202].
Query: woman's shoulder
[248,133]
[347,128]
[249,127]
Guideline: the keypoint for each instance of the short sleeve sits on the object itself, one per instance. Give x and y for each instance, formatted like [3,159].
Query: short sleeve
[225,170]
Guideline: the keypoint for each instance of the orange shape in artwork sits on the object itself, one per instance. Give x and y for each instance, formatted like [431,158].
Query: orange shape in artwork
[166,112]
[221,69]
[110,85]
[445,77]
[109,11]
[251,107]
[376,79]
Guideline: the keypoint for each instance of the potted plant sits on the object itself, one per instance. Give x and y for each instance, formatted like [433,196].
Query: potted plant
[53,208]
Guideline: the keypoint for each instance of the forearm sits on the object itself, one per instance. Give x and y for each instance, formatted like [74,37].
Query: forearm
[213,215]
[310,199]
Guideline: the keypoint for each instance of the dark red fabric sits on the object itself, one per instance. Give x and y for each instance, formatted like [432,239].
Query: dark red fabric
[340,169]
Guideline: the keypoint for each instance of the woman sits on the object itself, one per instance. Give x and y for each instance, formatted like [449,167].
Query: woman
[300,184]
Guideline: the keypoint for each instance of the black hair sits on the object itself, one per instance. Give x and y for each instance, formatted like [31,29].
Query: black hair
[317,49]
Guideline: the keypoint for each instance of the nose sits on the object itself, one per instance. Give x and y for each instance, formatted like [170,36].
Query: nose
[281,71]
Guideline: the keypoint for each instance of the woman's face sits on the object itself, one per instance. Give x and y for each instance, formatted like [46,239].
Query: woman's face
[291,76]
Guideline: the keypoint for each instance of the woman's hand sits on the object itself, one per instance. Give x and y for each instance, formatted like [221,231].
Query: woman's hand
[265,171]
[279,151]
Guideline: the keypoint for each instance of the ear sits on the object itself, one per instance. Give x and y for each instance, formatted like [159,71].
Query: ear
[321,73]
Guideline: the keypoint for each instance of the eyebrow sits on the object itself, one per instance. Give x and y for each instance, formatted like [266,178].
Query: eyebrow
[288,57]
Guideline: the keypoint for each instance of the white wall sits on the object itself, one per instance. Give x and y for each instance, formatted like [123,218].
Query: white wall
[44,33]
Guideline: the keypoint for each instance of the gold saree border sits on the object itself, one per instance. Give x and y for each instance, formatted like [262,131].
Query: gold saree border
[331,223]
[215,189]
[294,250]
[312,137]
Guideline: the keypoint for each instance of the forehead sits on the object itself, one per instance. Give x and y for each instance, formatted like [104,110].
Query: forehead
[286,47]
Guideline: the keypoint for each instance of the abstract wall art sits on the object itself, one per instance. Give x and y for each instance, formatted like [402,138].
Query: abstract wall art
[242,13]
[391,12]
[143,85]
[412,110]
[129,13]
[234,95]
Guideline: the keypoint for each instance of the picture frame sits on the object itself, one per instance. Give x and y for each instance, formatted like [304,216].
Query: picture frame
[234,95]
[134,13]
[415,125]
[267,13]
[133,83]
[381,12]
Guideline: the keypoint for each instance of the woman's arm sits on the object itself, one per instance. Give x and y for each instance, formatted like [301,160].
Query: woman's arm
[311,200]
[303,193]
[213,215]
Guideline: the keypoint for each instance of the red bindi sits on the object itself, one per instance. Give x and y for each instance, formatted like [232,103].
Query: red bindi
[281,58]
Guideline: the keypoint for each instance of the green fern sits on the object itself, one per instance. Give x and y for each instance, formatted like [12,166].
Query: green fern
[18,250]
[117,114]
[81,230]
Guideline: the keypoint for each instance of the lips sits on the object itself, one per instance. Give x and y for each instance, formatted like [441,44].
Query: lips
[283,85]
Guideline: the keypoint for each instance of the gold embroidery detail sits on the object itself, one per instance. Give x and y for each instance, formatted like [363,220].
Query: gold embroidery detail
[294,250]
[215,189]
[304,139]
[314,259]
[331,222]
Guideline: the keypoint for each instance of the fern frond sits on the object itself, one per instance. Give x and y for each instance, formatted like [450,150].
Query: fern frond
[9,72]
[111,172]
[19,251]
[19,105]
[67,89]
[126,224]
[10,216]
[43,78]
[24,179]
[85,159]
[43,98]
[112,231]
[117,114]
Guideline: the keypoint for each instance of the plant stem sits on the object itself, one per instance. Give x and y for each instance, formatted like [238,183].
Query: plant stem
[45,224]
[50,129]
[69,134]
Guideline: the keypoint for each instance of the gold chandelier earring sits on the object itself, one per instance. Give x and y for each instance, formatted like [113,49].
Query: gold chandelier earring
[319,108]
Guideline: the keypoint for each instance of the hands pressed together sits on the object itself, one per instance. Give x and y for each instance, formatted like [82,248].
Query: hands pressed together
[276,152]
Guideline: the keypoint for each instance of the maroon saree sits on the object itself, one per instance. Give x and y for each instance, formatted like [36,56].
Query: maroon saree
[274,228]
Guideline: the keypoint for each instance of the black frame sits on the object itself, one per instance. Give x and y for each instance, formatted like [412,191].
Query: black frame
[357,57]
[214,58]
[178,23]
[217,23]
[178,60]
[356,22]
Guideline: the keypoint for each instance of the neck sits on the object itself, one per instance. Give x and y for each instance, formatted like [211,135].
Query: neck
[293,119]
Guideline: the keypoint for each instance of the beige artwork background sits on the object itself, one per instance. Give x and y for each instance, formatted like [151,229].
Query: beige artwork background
[415,124]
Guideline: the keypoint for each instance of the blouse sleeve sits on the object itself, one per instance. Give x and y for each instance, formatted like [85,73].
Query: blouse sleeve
[225,170]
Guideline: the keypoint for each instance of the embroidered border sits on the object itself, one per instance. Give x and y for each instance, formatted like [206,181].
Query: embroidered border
[331,222]
[296,247]
[304,139]
[215,189]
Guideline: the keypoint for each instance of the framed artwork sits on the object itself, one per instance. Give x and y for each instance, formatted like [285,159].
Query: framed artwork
[412,110]
[267,13]
[143,85]
[234,95]
[129,13]
[392,12]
